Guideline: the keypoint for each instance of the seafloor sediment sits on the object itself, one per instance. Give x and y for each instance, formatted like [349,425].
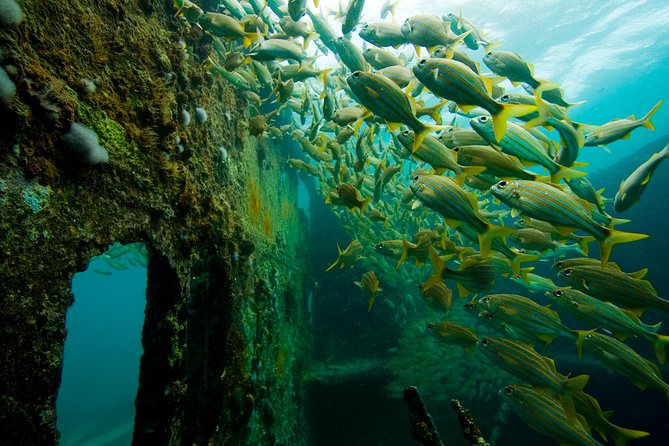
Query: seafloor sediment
[224,333]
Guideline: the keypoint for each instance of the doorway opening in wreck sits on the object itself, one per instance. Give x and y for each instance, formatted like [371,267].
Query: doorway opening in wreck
[96,401]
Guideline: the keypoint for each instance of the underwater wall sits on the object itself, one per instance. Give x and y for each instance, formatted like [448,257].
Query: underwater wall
[224,332]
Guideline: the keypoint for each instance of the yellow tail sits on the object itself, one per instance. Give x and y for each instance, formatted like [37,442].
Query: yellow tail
[621,436]
[466,171]
[516,267]
[509,111]
[660,343]
[566,172]
[486,237]
[646,119]
[425,129]
[614,237]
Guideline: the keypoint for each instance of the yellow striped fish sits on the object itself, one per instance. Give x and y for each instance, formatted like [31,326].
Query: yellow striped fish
[550,203]
[520,359]
[621,358]
[453,334]
[515,258]
[455,81]
[614,286]
[609,317]
[589,408]
[619,128]
[497,163]
[369,285]
[523,145]
[545,414]
[518,314]
[418,250]
[349,256]
[458,207]
[473,274]
[434,153]
[439,297]
[516,69]
[385,99]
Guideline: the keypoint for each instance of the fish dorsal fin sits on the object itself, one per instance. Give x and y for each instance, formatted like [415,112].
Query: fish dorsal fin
[631,315]
[639,274]
[647,285]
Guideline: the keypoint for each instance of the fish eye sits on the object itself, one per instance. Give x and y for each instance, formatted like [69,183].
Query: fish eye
[508,390]
[489,53]
[486,299]
[422,62]
[505,97]
[429,326]
[379,245]
[483,119]
[365,26]
[357,74]
[485,342]
[568,272]
[501,184]
[558,293]
[406,133]
[522,223]
[558,264]
[415,178]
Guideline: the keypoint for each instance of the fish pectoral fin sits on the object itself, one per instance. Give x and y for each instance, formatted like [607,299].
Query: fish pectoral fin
[585,284]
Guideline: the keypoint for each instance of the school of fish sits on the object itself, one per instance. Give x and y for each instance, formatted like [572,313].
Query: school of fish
[413,190]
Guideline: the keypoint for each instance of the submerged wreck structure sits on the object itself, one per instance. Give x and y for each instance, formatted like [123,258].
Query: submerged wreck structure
[97,146]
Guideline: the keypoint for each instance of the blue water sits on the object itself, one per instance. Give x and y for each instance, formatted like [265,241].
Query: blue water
[101,367]
[612,54]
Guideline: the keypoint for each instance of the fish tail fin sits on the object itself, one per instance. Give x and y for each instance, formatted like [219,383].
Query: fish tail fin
[336,262]
[573,385]
[544,86]
[665,152]
[466,171]
[450,47]
[583,243]
[364,204]
[613,237]
[439,267]
[580,337]
[308,39]
[422,132]
[435,114]
[617,221]
[508,111]
[405,253]
[621,436]
[519,258]
[659,345]
[492,232]
[566,172]
[524,274]
[490,46]
[646,119]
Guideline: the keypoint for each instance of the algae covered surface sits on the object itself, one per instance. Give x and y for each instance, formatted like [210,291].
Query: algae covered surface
[214,218]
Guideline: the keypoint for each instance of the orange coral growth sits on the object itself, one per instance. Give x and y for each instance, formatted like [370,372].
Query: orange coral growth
[254,203]
[268,226]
